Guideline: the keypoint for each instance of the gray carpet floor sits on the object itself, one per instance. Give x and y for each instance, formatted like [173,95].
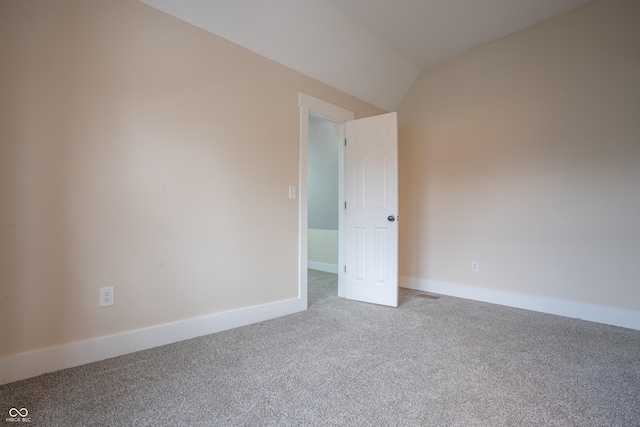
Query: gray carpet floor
[430,362]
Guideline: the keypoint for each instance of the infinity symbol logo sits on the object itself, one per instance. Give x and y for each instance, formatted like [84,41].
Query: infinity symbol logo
[13,412]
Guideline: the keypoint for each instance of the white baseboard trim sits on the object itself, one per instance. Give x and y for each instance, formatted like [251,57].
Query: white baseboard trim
[30,364]
[593,313]
[321,266]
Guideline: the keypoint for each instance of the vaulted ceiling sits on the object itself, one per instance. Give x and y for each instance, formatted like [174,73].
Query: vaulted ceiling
[372,49]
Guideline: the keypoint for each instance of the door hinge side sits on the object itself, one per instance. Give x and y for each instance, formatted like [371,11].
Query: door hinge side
[345,142]
[345,268]
[345,205]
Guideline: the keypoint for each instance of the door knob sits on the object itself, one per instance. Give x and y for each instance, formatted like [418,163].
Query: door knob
[391,218]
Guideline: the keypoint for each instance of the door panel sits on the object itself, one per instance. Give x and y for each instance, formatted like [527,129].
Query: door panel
[371,192]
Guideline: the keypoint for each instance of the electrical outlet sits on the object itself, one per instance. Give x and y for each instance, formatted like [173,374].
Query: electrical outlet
[475,266]
[107,296]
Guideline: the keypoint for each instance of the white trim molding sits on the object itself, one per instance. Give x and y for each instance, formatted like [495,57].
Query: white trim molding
[30,364]
[593,313]
[323,266]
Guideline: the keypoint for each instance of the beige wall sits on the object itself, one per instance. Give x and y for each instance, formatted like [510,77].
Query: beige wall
[140,152]
[524,155]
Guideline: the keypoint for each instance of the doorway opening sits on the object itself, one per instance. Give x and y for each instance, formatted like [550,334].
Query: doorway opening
[325,143]
[323,187]
[320,119]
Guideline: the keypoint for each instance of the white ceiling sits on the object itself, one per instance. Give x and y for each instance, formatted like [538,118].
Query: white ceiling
[372,49]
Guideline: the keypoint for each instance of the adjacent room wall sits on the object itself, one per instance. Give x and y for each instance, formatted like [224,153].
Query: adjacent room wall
[324,140]
[140,152]
[524,155]
[323,250]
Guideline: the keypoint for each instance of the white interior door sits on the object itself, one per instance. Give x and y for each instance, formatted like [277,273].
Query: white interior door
[371,211]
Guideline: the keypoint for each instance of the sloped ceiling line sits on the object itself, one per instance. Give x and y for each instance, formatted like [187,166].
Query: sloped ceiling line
[371,49]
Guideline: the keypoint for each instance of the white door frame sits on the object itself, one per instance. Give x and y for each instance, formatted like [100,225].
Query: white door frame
[309,104]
